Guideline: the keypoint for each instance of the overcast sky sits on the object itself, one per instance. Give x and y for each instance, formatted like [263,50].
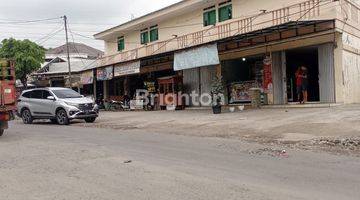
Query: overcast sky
[86,17]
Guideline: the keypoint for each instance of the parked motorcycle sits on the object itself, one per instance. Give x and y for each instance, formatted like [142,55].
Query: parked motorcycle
[118,105]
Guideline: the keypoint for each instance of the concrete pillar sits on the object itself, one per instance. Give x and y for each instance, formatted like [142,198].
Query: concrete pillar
[338,70]
[105,89]
[94,89]
[126,86]
[218,70]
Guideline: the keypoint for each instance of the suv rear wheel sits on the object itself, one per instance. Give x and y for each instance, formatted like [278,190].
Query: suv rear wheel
[90,119]
[26,116]
[62,118]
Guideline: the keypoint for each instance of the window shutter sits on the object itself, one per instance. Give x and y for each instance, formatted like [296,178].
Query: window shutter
[225,13]
[121,44]
[144,37]
[154,35]
[206,22]
[212,17]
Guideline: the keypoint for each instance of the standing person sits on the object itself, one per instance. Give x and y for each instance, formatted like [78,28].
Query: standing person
[305,83]
[299,78]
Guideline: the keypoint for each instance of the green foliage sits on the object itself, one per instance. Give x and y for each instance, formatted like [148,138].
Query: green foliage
[217,90]
[217,85]
[28,56]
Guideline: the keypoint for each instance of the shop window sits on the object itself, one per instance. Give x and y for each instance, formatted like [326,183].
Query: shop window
[154,34]
[144,37]
[121,43]
[225,12]
[210,16]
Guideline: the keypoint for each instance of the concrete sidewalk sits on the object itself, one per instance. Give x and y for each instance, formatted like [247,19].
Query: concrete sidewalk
[264,125]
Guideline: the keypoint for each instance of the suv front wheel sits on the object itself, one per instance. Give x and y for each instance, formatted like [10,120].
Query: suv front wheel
[26,116]
[62,118]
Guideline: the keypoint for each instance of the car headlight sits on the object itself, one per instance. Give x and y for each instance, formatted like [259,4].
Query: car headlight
[73,104]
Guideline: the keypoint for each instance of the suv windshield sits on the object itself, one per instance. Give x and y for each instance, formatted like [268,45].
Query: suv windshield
[66,93]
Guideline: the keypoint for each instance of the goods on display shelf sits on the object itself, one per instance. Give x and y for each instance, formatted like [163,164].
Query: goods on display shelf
[240,91]
[150,86]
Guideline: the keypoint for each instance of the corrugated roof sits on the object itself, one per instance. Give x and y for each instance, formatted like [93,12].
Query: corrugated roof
[76,48]
[76,66]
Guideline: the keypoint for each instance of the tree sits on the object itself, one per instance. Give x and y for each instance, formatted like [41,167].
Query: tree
[28,56]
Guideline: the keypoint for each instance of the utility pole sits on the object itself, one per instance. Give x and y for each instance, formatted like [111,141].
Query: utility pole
[68,50]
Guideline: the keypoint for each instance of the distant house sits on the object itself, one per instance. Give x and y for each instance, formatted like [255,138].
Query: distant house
[76,50]
[56,74]
[55,71]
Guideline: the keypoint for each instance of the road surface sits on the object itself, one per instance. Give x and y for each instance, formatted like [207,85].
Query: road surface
[45,161]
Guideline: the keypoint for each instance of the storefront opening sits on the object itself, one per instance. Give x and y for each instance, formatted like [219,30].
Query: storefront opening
[242,74]
[307,57]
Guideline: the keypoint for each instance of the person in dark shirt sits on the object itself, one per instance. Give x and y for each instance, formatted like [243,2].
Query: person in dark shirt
[299,78]
[304,83]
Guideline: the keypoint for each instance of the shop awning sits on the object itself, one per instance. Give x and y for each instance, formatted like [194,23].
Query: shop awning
[106,73]
[196,57]
[276,33]
[87,77]
[127,69]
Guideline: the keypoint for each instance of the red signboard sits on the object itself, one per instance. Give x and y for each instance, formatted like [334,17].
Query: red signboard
[268,84]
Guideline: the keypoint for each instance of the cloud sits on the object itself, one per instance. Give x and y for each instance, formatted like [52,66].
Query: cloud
[85,17]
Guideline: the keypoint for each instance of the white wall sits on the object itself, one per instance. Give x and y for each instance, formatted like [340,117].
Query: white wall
[351,68]
[192,21]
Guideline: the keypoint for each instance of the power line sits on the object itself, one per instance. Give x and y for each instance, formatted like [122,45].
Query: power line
[27,21]
[49,37]
[72,36]
[91,38]
[23,33]
[49,34]
[77,51]
[49,21]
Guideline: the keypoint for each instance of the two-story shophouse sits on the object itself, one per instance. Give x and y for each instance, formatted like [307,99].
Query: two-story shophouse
[250,43]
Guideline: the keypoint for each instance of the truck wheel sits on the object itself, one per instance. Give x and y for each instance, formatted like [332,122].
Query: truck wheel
[1,132]
[90,119]
[62,118]
[26,116]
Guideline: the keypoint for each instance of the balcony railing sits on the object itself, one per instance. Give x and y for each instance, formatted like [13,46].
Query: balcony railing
[311,9]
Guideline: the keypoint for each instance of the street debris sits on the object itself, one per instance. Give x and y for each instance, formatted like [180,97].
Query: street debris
[270,152]
[127,161]
[349,143]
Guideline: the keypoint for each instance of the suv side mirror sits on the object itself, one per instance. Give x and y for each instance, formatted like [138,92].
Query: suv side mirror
[52,98]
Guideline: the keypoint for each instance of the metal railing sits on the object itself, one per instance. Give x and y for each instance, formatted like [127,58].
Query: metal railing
[311,9]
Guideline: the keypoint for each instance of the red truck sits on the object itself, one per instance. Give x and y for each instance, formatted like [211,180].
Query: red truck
[7,93]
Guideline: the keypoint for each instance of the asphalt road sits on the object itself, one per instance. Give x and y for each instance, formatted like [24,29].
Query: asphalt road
[46,161]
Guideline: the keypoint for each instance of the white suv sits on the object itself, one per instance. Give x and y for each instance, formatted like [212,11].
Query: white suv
[60,105]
